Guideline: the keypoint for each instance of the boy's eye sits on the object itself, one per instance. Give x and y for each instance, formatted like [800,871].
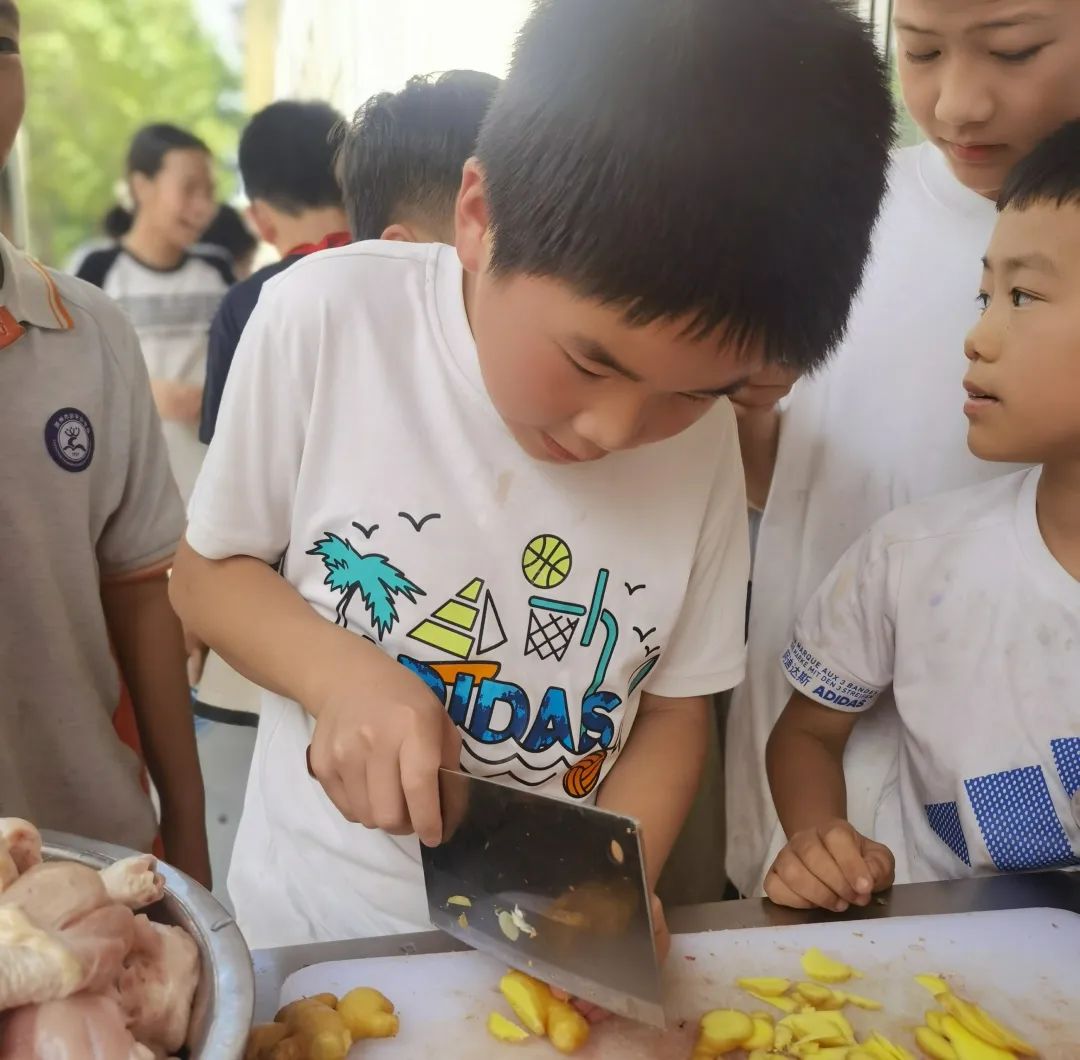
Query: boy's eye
[983,300]
[921,57]
[700,397]
[583,370]
[1019,57]
[1021,298]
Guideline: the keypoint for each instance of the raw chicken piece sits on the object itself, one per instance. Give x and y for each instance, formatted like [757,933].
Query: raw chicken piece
[134,882]
[23,841]
[100,942]
[56,894]
[42,962]
[34,964]
[9,872]
[84,1027]
[157,985]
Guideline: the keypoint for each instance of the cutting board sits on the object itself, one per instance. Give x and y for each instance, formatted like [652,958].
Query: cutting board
[1023,966]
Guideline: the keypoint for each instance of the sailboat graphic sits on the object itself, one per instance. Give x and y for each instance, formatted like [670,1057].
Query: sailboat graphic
[465,628]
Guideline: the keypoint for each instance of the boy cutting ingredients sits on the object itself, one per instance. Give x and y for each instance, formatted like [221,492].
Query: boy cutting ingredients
[968,604]
[503,476]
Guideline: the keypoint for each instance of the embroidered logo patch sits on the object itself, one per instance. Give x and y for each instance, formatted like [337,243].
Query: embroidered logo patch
[69,438]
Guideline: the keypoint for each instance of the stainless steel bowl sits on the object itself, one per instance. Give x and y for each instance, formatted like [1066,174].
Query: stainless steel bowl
[225,997]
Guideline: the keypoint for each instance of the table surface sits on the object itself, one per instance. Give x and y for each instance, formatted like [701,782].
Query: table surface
[1054,890]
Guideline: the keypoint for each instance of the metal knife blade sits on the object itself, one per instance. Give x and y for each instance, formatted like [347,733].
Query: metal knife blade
[554,888]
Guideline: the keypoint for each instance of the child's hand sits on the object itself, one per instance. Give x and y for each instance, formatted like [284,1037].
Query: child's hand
[830,867]
[380,737]
[662,940]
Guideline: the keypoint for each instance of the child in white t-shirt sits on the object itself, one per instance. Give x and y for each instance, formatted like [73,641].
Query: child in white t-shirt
[878,428]
[966,604]
[503,476]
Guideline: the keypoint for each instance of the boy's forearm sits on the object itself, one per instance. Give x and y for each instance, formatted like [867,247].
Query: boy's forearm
[657,774]
[149,646]
[177,402]
[260,625]
[806,775]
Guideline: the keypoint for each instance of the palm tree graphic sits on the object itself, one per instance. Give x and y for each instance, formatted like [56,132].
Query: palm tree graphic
[377,579]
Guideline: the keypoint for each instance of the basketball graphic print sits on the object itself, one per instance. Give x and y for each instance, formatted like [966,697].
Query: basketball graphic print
[546,561]
[581,778]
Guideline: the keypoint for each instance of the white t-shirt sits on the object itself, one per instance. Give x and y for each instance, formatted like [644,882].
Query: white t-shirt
[881,426]
[959,605]
[538,601]
[171,310]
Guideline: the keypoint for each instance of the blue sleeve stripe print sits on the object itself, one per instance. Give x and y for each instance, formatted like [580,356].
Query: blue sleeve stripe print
[1019,824]
[1067,759]
[944,819]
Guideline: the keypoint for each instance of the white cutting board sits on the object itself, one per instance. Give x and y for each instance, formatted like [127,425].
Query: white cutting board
[1022,965]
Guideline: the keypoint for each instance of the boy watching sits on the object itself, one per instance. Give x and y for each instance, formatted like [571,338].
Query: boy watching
[286,158]
[89,520]
[401,157]
[965,603]
[503,476]
[879,427]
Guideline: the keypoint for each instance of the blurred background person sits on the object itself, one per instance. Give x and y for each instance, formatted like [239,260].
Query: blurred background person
[169,291]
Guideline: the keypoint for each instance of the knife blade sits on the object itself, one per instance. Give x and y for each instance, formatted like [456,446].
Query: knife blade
[554,888]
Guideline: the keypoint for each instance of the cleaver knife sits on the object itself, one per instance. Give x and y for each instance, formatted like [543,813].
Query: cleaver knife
[554,888]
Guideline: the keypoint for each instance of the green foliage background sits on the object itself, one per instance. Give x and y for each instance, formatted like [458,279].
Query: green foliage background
[96,70]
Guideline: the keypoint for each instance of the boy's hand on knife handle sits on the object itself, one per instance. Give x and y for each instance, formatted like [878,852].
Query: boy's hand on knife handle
[380,737]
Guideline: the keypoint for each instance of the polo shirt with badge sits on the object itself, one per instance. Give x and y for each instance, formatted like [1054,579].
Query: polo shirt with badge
[85,496]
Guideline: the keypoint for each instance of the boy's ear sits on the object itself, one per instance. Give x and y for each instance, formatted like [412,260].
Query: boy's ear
[139,184]
[471,222]
[263,221]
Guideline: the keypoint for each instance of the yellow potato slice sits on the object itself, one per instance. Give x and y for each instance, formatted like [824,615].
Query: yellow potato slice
[814,994]
[567,1029]
[765,987]
[935,1045]
[970,1046]
[874,1050]
[933,983]
[824,969]
[1010,1039]
[983,1026]
[784,1004]
[935,1020]
[866,1003]
[459,899]
[725,1029]
[763,1036]
[529,998]
[783,1037]
[505,1030]
[890,1050]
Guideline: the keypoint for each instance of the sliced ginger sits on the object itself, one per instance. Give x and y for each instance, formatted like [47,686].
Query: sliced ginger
[824,969]
[934,1044]
[505,1030]
[529,998]
[765,987]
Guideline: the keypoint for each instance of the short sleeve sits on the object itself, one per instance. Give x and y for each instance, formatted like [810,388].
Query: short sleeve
[707,653]
[221,348]
[144,529]
[843,649]
[243,501]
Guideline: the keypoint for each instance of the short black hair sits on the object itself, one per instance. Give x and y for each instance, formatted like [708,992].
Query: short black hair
[229,232]
[152,143]
[717,160]
[286,156]
[404,151]
[1048,175]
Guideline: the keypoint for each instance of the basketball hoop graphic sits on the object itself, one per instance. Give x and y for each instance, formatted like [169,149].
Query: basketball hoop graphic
[553,625]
